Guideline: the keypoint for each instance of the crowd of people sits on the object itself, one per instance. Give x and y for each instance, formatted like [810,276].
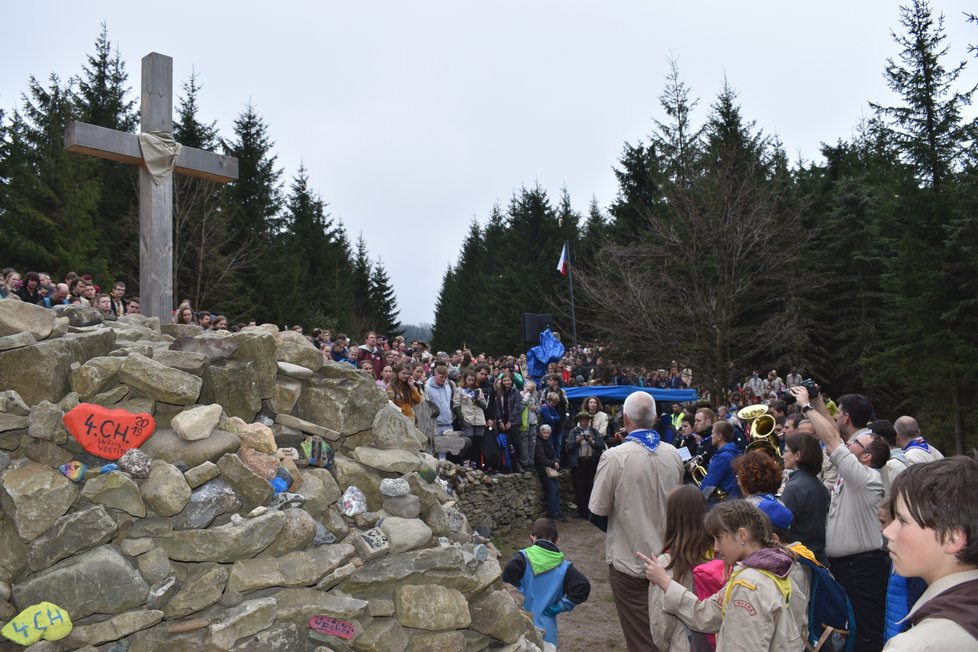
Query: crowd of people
[863,506]
[721,534]
[829,514]
[39,288]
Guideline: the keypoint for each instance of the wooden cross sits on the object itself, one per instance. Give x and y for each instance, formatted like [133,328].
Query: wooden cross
[155,199]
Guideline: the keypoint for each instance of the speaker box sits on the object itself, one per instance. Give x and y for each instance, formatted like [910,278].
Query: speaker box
[533,325]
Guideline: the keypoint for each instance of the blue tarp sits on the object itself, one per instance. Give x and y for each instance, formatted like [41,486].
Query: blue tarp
[618,393]
[549,350]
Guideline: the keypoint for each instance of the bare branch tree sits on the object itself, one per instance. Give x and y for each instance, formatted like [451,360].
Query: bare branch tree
[706,283]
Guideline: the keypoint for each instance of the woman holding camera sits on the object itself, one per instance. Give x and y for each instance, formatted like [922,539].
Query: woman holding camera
[584,446]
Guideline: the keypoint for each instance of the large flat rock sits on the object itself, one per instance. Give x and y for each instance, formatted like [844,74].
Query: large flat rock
[225,544]
[115,490]
[34,496]
[70,534]
[188,361]
[201,586]
[387,461]
[340,398]
[160,382]
[213,348]
[113,629]
[294,348]
[258,346]
[50,364]
[165,444]
[22,317]
[431,607]
[300,604]
[97,581]
[390,430]
[235,385]
[300,568]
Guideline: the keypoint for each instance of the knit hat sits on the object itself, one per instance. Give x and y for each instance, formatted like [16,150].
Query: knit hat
[781,517]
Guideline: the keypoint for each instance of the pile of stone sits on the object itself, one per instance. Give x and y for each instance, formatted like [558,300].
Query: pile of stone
[216,532]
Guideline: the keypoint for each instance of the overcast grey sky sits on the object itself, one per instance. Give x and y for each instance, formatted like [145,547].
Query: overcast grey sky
[414,117]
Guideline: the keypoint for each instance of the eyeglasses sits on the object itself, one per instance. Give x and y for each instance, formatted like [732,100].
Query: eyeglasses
[856,441]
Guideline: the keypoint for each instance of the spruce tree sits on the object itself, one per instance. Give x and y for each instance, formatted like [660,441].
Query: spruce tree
[364,310]
[930,337]
[463,304]
[51,195]
[852,196]
[448,330]
[384,302]
[252,205]
[703,282]
[5,167]
[640,178]
[203,266]
[678,140]
[593,235]
[188,130]
[305,254]
[103,91]
[104,98]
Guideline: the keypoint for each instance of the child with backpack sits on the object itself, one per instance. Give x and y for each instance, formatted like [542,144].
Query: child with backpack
[820,605]
[550,584]
[751,613]
[689,560]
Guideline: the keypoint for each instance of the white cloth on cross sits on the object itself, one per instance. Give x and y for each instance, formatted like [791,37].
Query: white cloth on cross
[160,152]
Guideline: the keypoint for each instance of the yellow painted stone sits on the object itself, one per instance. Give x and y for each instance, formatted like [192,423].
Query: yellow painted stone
[44,620]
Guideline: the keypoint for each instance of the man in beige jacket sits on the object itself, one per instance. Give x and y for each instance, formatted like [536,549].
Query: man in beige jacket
[631,485]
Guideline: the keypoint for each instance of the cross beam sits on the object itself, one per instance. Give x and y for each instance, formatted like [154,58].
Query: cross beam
[123,147]
[155,199]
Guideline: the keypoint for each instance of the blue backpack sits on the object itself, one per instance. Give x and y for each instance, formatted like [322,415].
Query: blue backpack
[831,620]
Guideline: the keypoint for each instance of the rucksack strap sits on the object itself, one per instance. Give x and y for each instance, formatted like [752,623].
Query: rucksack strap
[821,641]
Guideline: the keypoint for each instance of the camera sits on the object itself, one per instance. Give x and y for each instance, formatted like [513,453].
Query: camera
[811,386]
[808,384]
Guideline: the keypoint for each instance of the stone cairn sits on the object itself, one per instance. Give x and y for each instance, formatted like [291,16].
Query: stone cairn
[243,494]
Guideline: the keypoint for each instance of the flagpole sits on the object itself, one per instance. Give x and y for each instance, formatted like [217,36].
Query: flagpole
[570,278]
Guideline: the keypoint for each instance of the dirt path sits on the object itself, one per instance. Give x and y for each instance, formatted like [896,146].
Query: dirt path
[593,626]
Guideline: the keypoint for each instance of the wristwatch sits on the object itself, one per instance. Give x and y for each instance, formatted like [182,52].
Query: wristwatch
[806,407]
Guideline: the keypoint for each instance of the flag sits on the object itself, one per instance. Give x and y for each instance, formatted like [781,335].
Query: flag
[564,263]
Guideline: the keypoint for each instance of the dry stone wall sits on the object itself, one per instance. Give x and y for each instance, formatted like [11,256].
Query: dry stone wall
[216,532]
[504,503]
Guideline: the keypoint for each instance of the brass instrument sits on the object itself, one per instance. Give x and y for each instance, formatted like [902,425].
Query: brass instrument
[696,469]
[760,431]
[698,472]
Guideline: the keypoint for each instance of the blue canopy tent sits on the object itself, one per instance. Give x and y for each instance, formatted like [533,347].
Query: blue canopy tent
[618,393]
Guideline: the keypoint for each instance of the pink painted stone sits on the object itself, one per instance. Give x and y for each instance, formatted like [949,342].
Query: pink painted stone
[333,626]
[108,433]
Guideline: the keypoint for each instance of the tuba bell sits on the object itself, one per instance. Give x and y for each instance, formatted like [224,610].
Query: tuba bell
[760,431]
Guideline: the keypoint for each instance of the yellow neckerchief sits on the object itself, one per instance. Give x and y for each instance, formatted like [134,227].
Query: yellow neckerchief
[783,584]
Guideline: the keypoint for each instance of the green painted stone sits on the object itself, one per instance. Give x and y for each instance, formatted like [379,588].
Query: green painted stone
[42,620]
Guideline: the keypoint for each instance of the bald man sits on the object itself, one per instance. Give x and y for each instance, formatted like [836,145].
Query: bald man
[631,485]
[916,449]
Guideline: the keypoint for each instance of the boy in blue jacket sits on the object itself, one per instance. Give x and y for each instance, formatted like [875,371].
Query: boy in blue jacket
[550,584]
